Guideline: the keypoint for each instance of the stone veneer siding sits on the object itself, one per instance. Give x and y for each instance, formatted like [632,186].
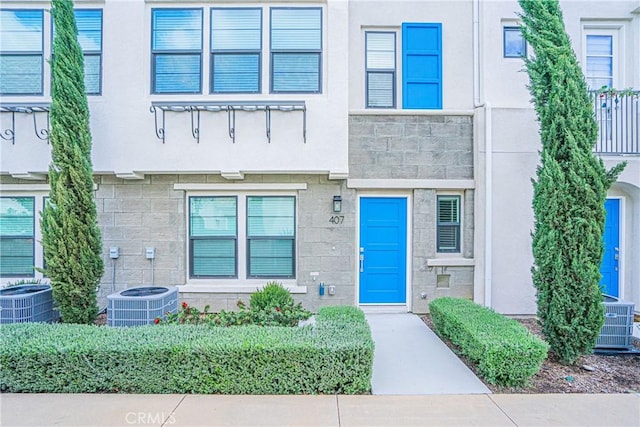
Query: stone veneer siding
[151,213]
[421,146]
[135,214]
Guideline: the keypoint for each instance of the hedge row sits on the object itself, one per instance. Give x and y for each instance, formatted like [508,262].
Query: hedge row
[504,351]
[334,356]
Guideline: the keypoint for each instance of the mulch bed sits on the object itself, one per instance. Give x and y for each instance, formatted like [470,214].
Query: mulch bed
[594,373]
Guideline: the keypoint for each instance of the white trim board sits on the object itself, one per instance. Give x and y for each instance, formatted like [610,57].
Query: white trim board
[241,187]
[405,184]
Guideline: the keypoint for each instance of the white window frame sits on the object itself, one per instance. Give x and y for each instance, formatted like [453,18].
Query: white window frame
[616,30]
[242,283]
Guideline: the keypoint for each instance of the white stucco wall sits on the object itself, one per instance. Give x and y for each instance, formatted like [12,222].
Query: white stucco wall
[515,145]
[504,79]
[123,130]
[457,66]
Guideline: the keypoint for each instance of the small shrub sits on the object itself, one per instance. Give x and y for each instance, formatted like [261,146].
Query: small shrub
[271,296]
[272,306]
[504,351]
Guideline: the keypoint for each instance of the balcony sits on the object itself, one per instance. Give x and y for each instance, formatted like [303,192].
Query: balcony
[618,115]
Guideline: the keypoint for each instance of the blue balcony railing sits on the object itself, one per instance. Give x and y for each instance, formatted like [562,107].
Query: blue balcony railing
[618,115]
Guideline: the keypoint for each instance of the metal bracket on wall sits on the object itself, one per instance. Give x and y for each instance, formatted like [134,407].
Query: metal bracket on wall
[158,109]
[34,108]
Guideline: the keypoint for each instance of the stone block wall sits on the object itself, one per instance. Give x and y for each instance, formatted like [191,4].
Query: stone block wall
[427,147]
[410,147]
[137,214]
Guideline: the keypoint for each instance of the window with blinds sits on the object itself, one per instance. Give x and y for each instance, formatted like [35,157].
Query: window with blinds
[89,23]
[513,43]
[296,50]
[213,234]
[176,48]
[17,236]
[599,57]
[448,224]
[236,45]
[380,69]
[271,236]
[21,52]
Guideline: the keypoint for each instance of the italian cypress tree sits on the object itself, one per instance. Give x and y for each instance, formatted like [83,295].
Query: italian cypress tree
[570,189]
[70,234]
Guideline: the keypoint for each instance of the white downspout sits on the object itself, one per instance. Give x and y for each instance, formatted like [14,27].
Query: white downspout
[476,54]
[488,167]
[488,216]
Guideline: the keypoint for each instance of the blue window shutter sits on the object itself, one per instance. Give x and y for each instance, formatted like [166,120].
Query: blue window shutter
[422,66]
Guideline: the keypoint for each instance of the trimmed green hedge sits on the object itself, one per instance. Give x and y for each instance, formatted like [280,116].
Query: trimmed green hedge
[504,351]
[334,356]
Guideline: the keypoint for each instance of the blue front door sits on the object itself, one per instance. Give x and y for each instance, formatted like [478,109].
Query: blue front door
[609,267]
[383,250]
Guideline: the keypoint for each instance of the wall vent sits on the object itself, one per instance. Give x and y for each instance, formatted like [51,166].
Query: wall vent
[27,303]
[141,306]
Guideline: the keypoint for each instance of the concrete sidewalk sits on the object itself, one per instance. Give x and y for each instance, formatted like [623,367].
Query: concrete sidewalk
[218,410]
[410,359]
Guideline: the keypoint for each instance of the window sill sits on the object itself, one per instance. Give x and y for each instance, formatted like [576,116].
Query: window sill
[451,262]
[240,288]
[398,111]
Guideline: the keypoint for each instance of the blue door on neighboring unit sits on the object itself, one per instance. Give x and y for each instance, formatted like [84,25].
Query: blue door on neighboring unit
[609,267]
[383,250]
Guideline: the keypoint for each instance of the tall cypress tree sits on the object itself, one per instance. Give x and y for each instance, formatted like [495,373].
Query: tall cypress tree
[70,233]
[570,189]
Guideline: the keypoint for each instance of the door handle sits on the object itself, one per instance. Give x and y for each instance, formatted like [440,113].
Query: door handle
[361,260]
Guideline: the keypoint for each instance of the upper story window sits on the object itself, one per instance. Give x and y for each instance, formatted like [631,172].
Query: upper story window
[448,226]
[21,52]
[296,50]
[176,49]
[513,43]
[421,75]
[236,47]
[380,69]
[89,23]
[600,60]
[17,236]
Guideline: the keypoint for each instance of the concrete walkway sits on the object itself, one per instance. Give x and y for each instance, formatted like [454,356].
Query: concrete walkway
[410,359]
[214,410]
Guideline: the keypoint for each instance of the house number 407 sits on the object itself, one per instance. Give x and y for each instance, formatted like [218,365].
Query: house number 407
[336,219]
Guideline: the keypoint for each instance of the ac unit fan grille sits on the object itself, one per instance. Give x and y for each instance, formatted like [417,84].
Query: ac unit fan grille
[617,330]
[27,303]
[137,306]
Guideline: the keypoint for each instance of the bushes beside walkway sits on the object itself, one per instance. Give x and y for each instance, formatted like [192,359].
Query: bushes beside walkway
[503,350]
[334,356]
